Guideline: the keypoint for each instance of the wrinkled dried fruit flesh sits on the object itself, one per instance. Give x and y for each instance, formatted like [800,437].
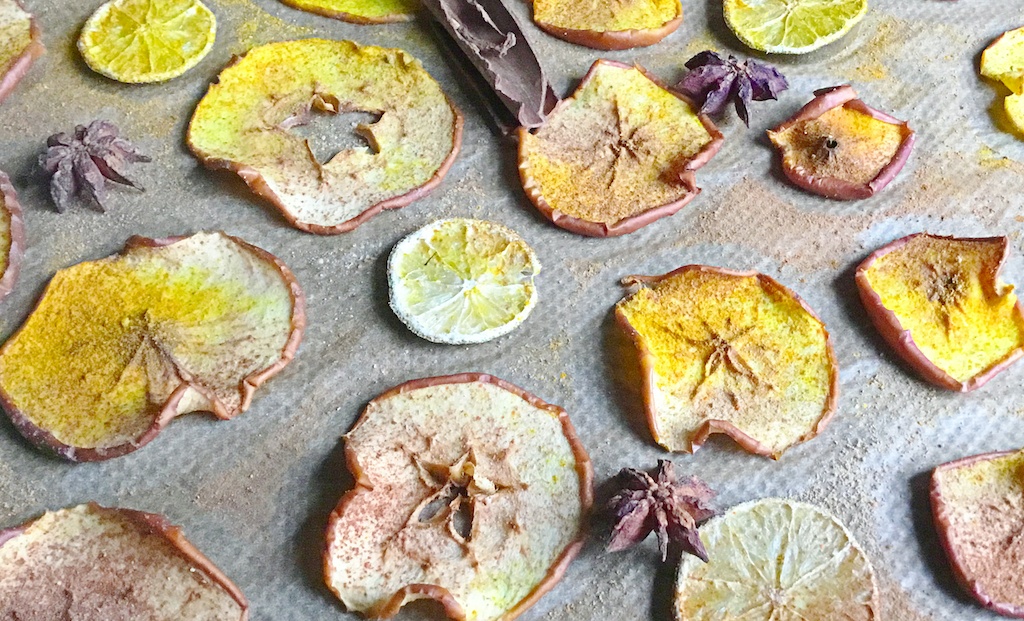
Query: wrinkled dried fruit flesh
[618,154]
[468,491]
[940,303]
[777,560]
[729,352]
[91,563]
[12,233]
[838,147]
[118,347]
[244,123]
[19,44]
[360,11]
[1014,106]
[978,505]
[1003,60]
[640,22]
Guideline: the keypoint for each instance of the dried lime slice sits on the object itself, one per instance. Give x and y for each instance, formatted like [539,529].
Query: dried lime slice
[462,281]
[792,26]
[777,560]
[117,348]
[360,11]
[468,491]
[110,564]
[142,41]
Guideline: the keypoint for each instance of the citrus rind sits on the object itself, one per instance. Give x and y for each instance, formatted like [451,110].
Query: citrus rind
[468,491]
[462,281]
[123,31]
[729,352]
[777,559]
[939,303]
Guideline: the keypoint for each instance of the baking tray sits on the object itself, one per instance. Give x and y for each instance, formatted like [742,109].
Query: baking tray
[254,493]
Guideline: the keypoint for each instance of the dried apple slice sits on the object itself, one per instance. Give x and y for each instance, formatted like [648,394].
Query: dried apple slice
[838,147]
[729,352]
[469,491]
[939,302]
[609,24]
[360,11]
[12,235]
[777,560]
[119,347]
[20,44]
[243,124]
[976,503]
[1003,60]
[617,155]
[91,563]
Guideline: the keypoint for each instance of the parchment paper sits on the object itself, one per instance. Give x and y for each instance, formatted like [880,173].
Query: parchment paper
[254,493]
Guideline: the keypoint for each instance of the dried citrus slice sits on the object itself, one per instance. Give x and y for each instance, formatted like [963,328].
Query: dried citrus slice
[609,24]
[976,502]
[780,560]
[468,491]
[792,26]
[143,41]
[939,302]
[19,44]
[462,281]
[839,147]
[1003,60]
[119,347]
[729,352]
[243,124]
[617,155]
[360,11]
[91,562]
[12,235]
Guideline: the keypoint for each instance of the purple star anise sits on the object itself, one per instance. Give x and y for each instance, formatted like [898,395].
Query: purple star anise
[714,80]
[80,165]
[672,509]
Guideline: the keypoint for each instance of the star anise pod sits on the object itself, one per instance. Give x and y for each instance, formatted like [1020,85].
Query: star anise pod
[81,164]
[671,508]
[714,81]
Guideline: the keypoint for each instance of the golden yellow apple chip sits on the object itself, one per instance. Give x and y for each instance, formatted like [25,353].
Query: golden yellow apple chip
[976,503]
[93,563]
[1003,60]
[617,155]
[468,491]
[20,44]
[609,24]
[119,347]
[729,352]
[244,121]
[939,303]
[1014,106]
[777,560]
[360,11]
[12,235]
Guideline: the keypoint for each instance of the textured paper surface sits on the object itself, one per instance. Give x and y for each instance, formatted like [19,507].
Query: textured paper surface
[254,493]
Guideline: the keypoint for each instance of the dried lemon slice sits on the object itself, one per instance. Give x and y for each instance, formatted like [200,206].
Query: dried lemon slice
[792,26]
[780,560]
[143,41]
[462,281]
[729,352]
[468,491]
[12,235]
[360,11]
[111,563]
[19,44]
[243,124]
[117,348]
[940,304]
[609,24]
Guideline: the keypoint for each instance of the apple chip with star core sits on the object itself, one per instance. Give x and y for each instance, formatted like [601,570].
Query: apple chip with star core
[469,491]
[729,352]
